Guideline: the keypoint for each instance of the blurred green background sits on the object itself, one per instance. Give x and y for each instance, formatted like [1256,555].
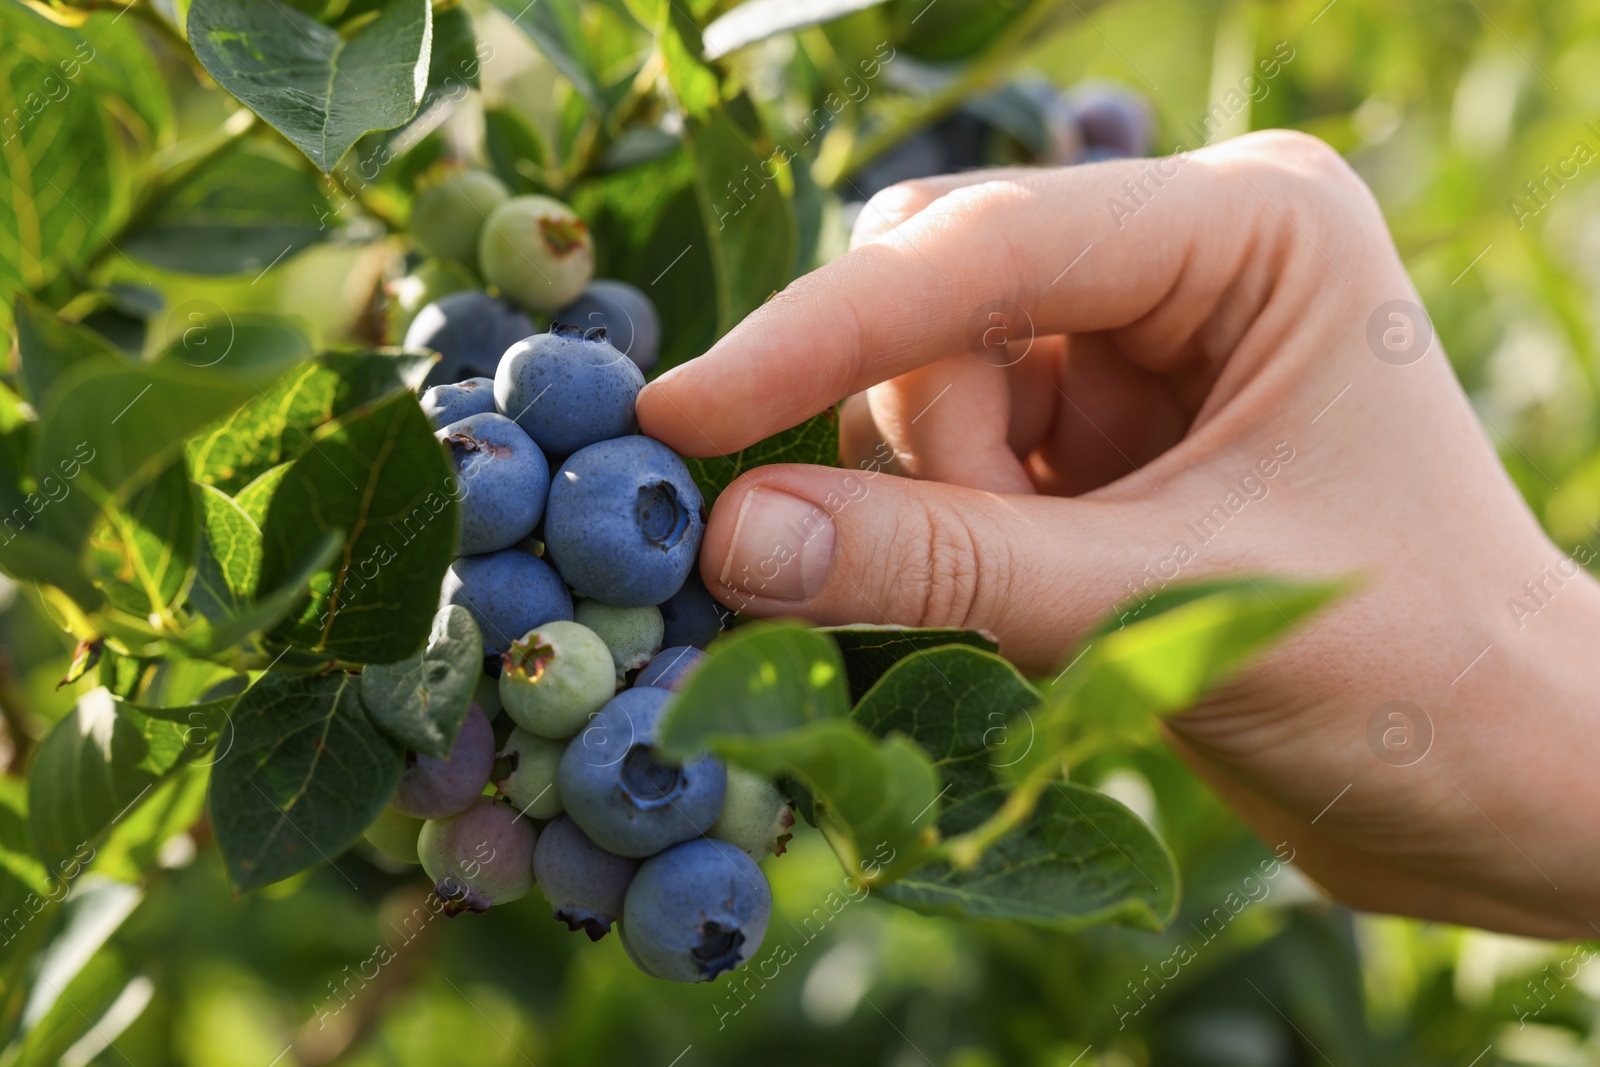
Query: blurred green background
[1446,109]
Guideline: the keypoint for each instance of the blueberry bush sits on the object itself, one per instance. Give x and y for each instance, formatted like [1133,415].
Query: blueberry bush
[326,514]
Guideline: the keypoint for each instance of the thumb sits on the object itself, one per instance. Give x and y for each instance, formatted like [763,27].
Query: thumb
[842,546]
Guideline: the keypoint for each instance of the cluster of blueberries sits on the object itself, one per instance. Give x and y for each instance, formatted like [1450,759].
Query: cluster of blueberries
[583,583]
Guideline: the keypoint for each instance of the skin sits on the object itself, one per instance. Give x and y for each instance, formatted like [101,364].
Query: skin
[1223,321]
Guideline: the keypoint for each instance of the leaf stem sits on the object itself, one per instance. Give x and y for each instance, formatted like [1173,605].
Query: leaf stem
[965,850]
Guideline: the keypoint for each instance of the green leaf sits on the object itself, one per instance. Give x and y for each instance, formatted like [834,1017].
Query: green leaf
[380,478]
[1175,647]
[320,90]
[758,20]
[514,148]
[308,771]
[770,698]
[226,626]
[554,27]
[759,680]
[694,84]
[276,425]
[63,168]
[239,213]
[66,976]
[255,498]
[751,232]
[144,549]
[231,564]
[123,424]
[814,441]
[422,700]
[48,347]
[871,650]
[1081,859]
[104,757]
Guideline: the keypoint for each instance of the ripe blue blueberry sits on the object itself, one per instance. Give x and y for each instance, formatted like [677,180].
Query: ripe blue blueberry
[470,330]
[755,816]
[692,616]
[568,390]
[525,774]
[625,797]
[508,594]
[669,668]
[444,404]
[433,788]
[696,910]
[503,477]
[584,883]
[627,315]
[480,857]
[623,523]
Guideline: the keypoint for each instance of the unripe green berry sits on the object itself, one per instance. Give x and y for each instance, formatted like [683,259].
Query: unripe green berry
[480,857]
[755,816]
[537,251]
[448,215]
[394,835]
[555,677]
[525,773]
[632,634]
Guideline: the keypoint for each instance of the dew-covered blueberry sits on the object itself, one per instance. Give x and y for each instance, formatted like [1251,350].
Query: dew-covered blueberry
[444,404]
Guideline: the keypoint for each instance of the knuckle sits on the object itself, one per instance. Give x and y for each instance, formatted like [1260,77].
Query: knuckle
[939,566]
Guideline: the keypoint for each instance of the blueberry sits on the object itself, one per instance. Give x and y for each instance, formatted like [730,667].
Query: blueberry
[395,835]
[629,318]
[755,815]
[623,523]
[444,404]
[480,857]
[470,330]
[433,788]
[525,774]
[670,667]
[692,616]
[1112,119]
[584,883]
[632,634]
[568,390]
[622,794]
[503,477]
[536,251]
[449,213]
[696,910]
[508,594]
[427,283]
[556,676]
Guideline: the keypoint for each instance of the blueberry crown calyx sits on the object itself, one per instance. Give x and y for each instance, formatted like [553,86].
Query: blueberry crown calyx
[566,329]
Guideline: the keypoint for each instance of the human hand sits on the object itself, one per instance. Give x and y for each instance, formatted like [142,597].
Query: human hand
[1195,384]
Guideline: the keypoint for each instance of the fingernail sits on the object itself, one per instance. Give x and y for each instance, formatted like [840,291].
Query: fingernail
[782,547]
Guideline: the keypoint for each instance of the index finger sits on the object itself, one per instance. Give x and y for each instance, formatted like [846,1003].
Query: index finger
[1152,246]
